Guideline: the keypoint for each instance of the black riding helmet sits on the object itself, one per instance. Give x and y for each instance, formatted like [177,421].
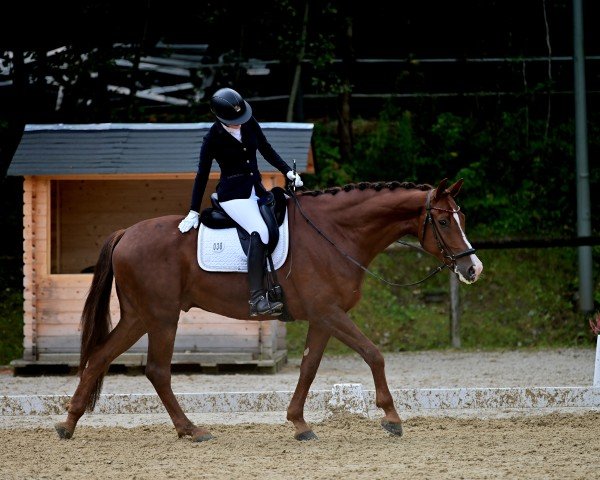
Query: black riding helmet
[229,107]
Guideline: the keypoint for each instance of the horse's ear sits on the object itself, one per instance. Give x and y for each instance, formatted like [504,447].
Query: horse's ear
[455,188]
[439,191]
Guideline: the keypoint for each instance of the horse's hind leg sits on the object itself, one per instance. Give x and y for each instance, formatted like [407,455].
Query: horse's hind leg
[347,332]
[158,370]
[316,341]
[123,336]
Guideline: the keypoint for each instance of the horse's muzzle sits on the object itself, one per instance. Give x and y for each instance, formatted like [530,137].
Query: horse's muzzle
[468,269]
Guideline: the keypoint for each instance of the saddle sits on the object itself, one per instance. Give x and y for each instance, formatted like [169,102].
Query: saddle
[272,207]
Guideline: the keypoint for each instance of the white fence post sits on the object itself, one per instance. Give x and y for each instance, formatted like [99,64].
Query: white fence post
[348,397]
[597,364]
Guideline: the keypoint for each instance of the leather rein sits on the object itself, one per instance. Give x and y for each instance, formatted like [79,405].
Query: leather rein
[441,244]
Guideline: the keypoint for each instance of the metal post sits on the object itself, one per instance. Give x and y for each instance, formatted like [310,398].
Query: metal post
[584,224]
[454,311]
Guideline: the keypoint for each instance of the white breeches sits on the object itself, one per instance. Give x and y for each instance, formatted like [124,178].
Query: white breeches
[246,213]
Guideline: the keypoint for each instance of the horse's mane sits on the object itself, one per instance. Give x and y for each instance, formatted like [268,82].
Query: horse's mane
[377,186]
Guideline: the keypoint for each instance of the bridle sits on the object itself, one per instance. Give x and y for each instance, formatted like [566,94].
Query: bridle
[445,250]
[442,245]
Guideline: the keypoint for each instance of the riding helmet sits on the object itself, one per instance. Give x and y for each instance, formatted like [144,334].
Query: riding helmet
[229,107]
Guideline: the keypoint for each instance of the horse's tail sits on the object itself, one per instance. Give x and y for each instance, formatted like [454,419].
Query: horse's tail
[95,319]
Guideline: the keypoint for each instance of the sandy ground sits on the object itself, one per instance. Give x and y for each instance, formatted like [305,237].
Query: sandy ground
[444,445]
[549,447]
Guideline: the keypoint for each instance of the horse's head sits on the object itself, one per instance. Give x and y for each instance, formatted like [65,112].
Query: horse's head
[442,232]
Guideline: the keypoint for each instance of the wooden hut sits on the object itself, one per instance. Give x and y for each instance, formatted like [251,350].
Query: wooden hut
[82,182]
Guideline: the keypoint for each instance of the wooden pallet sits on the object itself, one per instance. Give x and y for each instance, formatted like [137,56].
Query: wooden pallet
[182,361]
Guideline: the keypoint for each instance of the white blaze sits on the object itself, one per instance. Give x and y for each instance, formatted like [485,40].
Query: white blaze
[477,265]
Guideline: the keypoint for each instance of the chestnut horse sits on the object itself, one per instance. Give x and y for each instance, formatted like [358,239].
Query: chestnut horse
[333,235]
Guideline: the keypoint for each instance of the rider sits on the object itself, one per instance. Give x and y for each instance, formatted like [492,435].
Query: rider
[232,141]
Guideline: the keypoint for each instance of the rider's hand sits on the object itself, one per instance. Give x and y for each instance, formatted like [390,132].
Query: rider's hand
[295,177]
[189,222]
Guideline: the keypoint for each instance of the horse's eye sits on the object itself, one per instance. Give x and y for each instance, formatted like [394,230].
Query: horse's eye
[443,222]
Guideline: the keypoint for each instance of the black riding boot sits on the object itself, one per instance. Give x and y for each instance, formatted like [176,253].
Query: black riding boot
[259,302]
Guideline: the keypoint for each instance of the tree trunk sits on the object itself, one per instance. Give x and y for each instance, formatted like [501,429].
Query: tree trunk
[344,116]
[298,71]
[135,72]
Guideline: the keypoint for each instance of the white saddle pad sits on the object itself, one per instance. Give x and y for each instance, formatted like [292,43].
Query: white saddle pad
[220,250]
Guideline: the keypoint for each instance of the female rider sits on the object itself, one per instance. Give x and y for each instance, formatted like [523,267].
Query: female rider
[233,141]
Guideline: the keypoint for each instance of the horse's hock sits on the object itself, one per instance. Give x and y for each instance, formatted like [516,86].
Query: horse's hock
[82,182]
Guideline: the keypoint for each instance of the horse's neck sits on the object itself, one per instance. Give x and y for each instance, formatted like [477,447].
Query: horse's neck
[369,221]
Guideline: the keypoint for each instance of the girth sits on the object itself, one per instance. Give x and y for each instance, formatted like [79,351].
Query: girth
[272,207]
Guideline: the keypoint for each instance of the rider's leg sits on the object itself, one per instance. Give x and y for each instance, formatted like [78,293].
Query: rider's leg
[259,301]
[245,212]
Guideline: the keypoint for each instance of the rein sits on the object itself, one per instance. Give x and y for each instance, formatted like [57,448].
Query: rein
[292,193]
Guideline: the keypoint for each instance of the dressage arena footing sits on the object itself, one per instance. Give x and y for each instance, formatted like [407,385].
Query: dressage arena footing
[348,397]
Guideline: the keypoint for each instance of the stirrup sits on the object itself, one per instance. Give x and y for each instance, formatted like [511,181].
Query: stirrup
[273,309]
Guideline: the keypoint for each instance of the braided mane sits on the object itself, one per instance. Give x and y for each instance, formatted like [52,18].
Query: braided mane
[377,186]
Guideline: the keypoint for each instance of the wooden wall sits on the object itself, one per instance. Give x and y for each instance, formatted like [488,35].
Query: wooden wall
[85,212]
[65,223]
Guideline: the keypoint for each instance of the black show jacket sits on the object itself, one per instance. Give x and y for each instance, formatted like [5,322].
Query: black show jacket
[237,161]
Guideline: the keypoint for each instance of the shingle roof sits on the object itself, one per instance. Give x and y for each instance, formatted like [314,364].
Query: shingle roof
[62,149]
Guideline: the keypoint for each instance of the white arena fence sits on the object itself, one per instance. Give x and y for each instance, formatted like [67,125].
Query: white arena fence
[350,397]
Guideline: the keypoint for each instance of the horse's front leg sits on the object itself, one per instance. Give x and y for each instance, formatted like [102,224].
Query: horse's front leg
[347,332]
[316,341]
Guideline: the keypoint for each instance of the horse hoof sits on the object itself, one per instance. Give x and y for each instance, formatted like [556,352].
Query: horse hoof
[394,428]
[308,435]
[63,431]
[203,438]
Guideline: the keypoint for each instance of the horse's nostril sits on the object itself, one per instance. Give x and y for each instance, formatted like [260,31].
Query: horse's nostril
[471,271]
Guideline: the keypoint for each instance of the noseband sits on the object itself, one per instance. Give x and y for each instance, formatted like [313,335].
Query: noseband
[441,244]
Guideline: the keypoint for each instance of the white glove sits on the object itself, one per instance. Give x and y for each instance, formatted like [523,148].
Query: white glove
[295,177]
[189,222]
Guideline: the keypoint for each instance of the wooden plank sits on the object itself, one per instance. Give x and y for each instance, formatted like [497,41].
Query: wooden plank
[268,337]
[67,279]
[131,358]
[192,343]
[29,307]
[55,216]
[36,236]
[192,317]
[230,324]
[41,225]
[62,329]
[47,228]
[39,197]
[63,293]
[59,305]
